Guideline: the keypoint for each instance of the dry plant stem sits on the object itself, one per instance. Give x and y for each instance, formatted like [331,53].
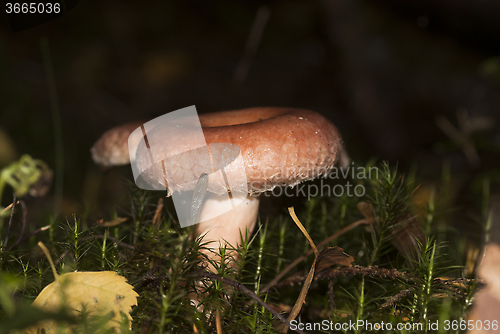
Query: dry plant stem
[394,274]
[394,299]
[461,281]
[247,292]
[373,271]
[291,210]
[66,252]
[8,207]
[218,323]
[307,283]
[47,254]
[309,252]
[41,229]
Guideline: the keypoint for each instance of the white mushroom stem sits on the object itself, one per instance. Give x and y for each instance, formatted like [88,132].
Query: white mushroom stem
[226,229]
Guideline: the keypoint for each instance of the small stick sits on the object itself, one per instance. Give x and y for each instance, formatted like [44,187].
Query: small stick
[218,323]
[47,254]
[66,252]
[396,297]
[41,229]
[309,252]
[7,207]
[291,211]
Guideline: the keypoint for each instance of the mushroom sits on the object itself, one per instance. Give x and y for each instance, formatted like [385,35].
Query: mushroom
[278,147]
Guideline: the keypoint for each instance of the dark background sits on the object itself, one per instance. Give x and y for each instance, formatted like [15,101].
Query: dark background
[383,71]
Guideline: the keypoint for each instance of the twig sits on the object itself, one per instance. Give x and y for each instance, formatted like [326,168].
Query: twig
[10,221]
[23,224]
[247,292]
[151,274]
[373,271]
[66,252]
[47,255]
[309,252]
[459,281]
[7,208]
[397,297]
[342,231]
[41,229]
[252,45]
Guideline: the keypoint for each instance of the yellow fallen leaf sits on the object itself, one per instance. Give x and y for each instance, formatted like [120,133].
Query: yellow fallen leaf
[99,293]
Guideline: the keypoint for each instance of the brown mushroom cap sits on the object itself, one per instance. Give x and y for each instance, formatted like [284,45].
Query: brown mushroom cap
[279,146]
[112,148]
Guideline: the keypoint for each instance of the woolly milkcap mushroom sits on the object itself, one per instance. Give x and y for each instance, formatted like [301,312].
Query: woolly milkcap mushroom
[278,147]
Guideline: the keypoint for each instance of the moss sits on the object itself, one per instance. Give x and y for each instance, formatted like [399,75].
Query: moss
[161,260]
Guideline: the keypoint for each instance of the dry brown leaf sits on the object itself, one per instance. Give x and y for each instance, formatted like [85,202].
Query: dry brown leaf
[366,210]
[99,292]
[331,256]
